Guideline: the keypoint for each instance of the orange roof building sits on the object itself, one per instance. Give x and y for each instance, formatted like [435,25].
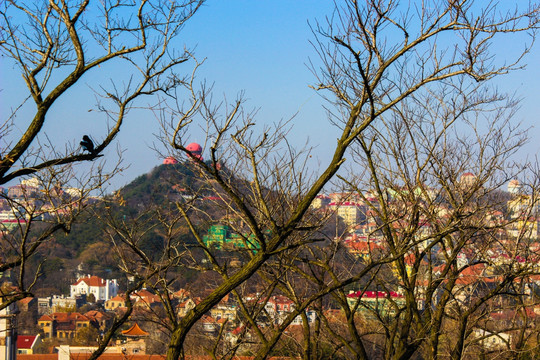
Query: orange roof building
[134,331]
[115,303]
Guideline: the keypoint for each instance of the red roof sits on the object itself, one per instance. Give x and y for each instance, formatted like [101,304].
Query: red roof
[64,317]
[26,300]
[474,270]
[374,294]
[184,303]
[40,357]
[363,246]
[146,296]
[281,300]
[91,281]
[134,331]
[346,203]
[120,356]
[182,293]
[117,298]
[207,319]
[96,315]
[213,198]
[238,330]
[86,355]
[26,341]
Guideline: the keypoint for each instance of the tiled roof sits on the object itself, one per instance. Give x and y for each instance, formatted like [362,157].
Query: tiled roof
[280,299]
[97,315]
[374,294]
[346,203]
[185,303]
[25,341]
[182,293]
[238,330]
[45,318]
[117,298]
[91,281]
[119,356]
[62,317]
[37,357]
[146,297]
[135,330]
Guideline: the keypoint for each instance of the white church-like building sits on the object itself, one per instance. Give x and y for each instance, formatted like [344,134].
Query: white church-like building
[102,289]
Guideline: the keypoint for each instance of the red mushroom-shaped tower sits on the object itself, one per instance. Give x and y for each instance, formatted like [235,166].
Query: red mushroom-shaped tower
[169,160]
[195,150]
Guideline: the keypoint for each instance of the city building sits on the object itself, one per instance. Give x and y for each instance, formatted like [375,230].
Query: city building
[100,288]
[8,334]
[352,213]
[115,303]
[62,325]
[371,302]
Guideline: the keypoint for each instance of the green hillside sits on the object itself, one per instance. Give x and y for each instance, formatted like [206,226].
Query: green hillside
[139,205]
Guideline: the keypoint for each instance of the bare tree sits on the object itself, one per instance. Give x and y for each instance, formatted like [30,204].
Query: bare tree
[438,227]
[56,45]
[402,103]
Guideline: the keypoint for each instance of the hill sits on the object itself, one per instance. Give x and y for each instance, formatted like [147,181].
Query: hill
[141,203]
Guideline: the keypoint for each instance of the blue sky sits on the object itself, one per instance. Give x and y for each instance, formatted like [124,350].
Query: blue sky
[261,48]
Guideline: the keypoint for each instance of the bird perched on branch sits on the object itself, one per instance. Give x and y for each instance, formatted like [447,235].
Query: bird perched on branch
[87,144]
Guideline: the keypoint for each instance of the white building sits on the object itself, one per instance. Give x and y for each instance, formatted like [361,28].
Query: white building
[493,340]
[102,289]
[8,336]
[352,213]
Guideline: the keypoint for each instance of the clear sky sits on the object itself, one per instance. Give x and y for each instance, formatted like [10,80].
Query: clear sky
[261,48]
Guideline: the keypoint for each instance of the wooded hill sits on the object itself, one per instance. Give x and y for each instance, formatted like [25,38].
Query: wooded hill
[87,247]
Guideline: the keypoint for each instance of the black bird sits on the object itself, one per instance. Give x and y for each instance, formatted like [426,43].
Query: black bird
[87,144]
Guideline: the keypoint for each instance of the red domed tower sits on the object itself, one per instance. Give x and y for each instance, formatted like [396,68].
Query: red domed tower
[169,160]
[195,150]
